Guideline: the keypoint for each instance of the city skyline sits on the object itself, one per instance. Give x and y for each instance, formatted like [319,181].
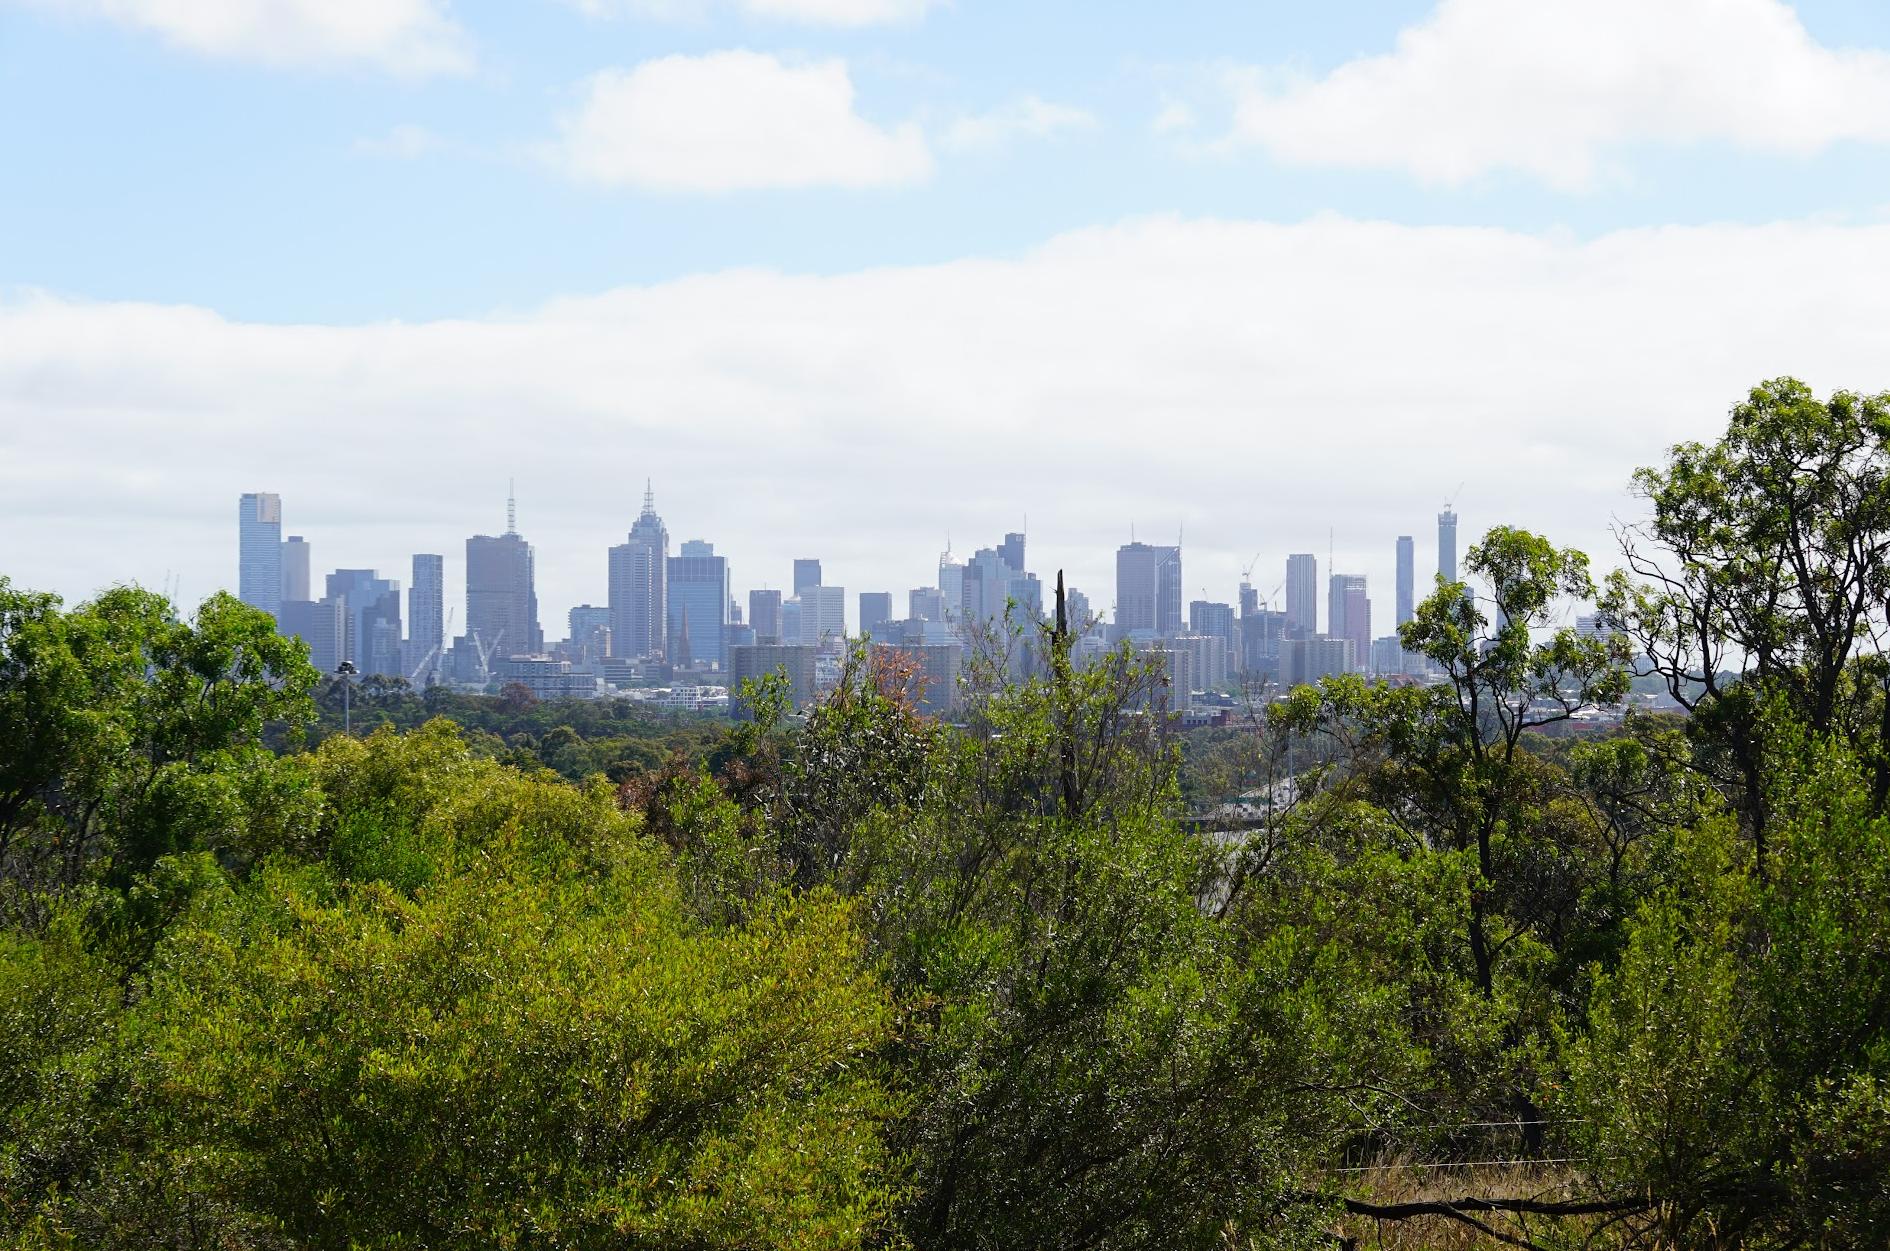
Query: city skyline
[685,609]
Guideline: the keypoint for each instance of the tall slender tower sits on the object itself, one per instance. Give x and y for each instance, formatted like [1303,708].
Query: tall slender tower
[1302,595]
[259,551]
[1407,579]
[639,582]
[295,569]
[426,611]
[1447,545]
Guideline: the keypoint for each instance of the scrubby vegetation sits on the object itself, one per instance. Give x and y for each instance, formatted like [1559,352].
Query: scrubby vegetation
[872,981]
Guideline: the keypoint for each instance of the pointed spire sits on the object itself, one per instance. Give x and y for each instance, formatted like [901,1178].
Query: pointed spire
[511,506]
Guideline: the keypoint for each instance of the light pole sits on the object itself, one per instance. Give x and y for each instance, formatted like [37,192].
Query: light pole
[344,671]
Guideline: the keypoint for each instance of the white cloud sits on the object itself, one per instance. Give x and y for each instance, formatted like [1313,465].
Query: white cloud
[1555,88]
[732,121]
[1174,115]
[1255,382]
[811,12]
[412,38]
[1028,117]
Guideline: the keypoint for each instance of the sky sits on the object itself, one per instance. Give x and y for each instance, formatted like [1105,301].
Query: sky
[857,278]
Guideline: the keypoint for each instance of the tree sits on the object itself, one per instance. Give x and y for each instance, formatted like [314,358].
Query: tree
[1763,571]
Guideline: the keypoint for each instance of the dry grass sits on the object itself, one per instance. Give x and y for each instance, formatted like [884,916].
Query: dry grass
[1408,1182]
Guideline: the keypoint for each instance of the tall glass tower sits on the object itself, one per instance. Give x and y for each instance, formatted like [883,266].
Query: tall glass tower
[259,551]
[1447,545]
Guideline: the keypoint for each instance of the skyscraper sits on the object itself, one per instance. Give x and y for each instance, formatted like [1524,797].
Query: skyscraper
[295,569]
[1216,620]
[1349,614]
[1407,577]
[502,594]
[370,606]
[1012,550]
[1302,595]
[764,614]
[426,612]
[806,574]
[1148,588]
[1447,545]
[987,586]
[259,550]
[875,612]
[824,615]
[698,601]
[639,572]
[951,584]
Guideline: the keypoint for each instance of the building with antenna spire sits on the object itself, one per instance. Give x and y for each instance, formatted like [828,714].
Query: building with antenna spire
[639,585]
[501,591]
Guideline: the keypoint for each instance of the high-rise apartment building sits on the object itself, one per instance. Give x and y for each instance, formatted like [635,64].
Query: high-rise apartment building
[1302,595]
[1407,579]
[875,612]
[1304,661]
[1216,620]
[426,611]
[259,550]
[1447,545]
[806,574]
[502,595]
[698,601]
[639,569]
[764,615]
[295,569]
[1349,614]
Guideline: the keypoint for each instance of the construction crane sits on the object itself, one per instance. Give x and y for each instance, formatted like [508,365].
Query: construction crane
[1451,499]
[485,652]
[437,650]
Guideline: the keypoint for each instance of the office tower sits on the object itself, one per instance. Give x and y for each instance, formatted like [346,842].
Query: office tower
[639,573]
[1407,579]
[1349,614]
[824,616]
[1012,550]
[951,584]
[806,574]
[1447,545]
[1026,592]
[764,614]
[1168,590]
[875,612]
[1302,595]
[426,611]
[698,602]
[987,587]
[318,624]
[502,595]
[370,607]
[259,550]
[793,623]
[1138,586]
[925,603]
[751,664]
[295,569]
[1249,599]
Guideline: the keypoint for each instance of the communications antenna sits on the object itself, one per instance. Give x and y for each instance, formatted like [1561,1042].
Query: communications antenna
[511,507]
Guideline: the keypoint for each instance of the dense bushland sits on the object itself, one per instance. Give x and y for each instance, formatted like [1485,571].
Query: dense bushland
[865,980]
